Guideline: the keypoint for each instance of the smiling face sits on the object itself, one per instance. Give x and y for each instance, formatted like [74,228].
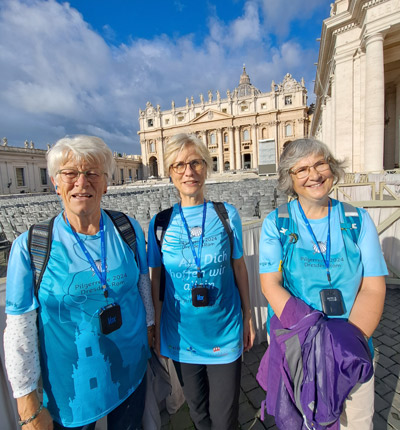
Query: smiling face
[317,185]
[190,183]
[82,198]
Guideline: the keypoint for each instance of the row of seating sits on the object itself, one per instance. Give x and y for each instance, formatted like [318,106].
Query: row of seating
[253,198]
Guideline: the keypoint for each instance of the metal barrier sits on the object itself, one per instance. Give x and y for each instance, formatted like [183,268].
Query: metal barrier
[386,201]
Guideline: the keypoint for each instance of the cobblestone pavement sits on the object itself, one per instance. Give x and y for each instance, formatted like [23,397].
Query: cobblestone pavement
[387,382]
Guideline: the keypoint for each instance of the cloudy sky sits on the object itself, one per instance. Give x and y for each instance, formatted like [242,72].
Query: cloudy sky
[88,66]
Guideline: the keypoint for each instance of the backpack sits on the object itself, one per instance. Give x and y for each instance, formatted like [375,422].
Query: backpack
[40,238]
[161,224]
[350,217]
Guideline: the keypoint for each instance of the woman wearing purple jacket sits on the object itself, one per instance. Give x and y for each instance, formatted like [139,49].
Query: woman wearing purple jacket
[325,253]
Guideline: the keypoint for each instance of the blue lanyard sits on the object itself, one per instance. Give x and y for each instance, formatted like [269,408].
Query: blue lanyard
[328,239]
[103,275]
[197,258]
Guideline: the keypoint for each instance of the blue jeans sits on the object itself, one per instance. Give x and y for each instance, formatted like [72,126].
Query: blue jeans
[127,416]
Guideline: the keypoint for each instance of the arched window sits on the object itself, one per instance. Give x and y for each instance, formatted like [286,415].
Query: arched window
[246,135]
[226,138]
[288,130]
[213,139]
[264,133]
[152,146]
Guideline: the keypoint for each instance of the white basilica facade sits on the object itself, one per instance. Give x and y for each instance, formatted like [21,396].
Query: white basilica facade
[357,84]
[244,130]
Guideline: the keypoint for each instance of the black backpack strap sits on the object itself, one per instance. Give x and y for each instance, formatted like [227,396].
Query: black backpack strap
[39,246]
[160,227]
[125,229]
[222,213]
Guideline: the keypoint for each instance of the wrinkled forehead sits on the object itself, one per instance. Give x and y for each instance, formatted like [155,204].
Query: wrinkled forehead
[75,159]
[309,160]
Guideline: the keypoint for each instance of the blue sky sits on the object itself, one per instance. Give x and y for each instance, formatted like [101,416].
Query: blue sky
[88,66]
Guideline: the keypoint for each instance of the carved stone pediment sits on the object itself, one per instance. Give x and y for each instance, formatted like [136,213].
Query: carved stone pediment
[289,85]
[210,115]
[149,109]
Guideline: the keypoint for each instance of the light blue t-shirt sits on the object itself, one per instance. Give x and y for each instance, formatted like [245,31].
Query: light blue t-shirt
[201,335]
[303,267]
[86,374]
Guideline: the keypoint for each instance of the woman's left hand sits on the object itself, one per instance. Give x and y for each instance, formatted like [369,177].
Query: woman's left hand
[248,333]
[150,335]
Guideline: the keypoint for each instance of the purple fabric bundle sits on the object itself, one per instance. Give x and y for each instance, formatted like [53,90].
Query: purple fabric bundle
[310,367]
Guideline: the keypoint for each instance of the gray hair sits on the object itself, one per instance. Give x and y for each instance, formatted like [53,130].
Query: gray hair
[298,149]
[181,141]
[81,148]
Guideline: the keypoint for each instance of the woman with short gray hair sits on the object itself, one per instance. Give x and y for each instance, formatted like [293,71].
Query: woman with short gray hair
[321,253]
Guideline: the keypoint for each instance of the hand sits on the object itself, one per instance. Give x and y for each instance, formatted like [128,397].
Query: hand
[157,342]
[248,333]
[150,335]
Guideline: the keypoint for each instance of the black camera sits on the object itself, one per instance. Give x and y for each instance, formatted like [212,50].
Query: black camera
[200,296]
[332,302]
[110,318]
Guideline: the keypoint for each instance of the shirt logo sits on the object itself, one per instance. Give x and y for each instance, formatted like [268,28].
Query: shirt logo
[322,247]
[196,231]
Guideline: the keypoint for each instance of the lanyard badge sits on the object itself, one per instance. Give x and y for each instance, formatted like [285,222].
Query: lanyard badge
[199,291]
[331,298]
[109,316]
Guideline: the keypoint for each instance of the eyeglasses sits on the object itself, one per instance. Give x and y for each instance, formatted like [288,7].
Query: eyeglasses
[196,165]
[304,171]
[70,176]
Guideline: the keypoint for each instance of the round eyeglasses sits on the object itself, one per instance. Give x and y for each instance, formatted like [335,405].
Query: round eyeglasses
[70,176]
[196,165]
[304,171]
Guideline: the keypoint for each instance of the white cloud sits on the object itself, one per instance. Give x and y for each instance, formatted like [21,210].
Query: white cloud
[58,76]
[280,14]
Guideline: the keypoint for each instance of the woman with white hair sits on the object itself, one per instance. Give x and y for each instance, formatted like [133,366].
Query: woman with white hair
[86,323]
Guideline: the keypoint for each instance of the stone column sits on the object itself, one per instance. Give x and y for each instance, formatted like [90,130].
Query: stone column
[374,104]
[255,145]
[160,157]
[204,137]
[231,149]
[332,137]
[397,119]
[145,160]
[277,140]
[324,120]
[220,150]
[238,148]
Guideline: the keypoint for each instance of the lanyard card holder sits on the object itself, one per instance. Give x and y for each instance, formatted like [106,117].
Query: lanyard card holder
[110,318]
[199,296]
[332,301]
